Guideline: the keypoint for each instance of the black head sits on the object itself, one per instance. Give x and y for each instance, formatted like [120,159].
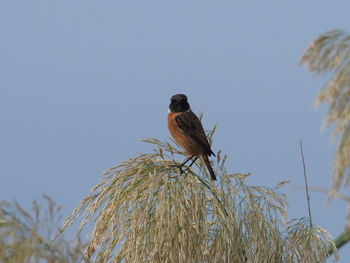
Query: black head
[178,103]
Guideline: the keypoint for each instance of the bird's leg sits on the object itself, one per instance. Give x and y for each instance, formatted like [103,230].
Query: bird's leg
[187,159]
[195,159]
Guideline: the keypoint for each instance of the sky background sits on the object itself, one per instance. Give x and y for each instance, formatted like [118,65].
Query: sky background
[82,82]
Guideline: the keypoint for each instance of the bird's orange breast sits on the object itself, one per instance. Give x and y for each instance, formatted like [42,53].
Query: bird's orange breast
[185,141]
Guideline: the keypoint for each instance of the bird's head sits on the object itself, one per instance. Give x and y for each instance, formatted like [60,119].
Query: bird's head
[178,103]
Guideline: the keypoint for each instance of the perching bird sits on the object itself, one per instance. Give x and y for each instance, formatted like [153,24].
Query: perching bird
[188,132]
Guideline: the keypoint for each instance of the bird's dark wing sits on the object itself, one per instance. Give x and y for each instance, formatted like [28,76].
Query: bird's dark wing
[189,124]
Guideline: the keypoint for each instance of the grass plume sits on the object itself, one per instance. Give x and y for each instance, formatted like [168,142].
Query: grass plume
[144,210]
[330,53]
[25,237]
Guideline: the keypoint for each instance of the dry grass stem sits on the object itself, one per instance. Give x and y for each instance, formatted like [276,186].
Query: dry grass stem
[306,184]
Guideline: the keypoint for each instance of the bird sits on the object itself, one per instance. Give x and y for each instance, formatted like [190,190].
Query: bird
[187,131]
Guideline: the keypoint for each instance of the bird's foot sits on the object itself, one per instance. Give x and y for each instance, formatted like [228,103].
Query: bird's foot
[180,169]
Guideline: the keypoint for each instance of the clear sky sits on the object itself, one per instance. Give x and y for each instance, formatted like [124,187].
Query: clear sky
[83,81]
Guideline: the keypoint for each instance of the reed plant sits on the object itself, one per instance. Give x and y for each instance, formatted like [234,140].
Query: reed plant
[146,210]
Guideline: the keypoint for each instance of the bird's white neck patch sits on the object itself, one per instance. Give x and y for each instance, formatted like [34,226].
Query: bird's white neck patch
[169,111]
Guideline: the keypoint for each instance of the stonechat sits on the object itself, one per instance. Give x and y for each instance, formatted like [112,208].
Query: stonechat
[188,132]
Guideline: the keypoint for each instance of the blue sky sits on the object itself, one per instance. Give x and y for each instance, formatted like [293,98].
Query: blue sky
[83,81]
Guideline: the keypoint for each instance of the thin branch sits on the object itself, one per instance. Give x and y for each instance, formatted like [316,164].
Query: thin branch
[306,186]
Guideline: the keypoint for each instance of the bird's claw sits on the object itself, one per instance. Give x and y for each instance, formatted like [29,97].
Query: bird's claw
[180,169]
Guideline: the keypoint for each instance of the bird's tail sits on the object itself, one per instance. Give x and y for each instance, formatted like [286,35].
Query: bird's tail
[207,163]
